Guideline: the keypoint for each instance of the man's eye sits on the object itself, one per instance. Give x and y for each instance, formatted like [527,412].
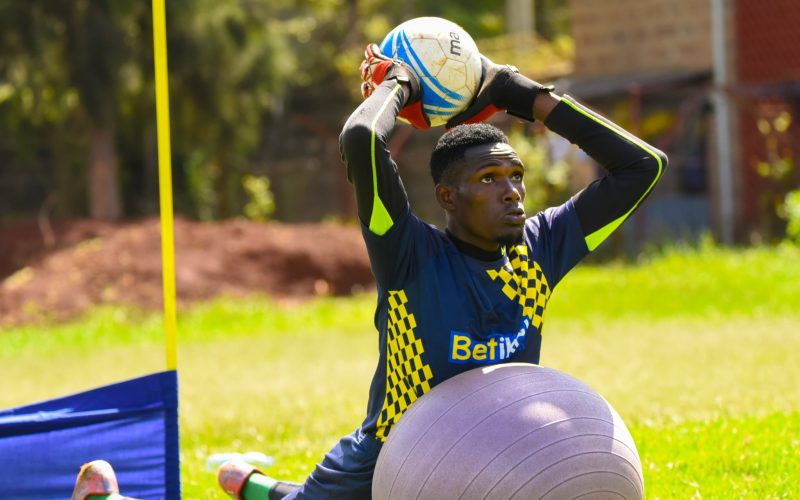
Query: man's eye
[487,179]
[517,176]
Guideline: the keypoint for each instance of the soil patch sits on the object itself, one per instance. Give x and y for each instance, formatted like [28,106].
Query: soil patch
[59,273]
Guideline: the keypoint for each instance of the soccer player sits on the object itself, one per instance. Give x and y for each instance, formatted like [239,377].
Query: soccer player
[475,293]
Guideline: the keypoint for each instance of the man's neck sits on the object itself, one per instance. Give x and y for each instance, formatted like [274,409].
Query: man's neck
[473,251]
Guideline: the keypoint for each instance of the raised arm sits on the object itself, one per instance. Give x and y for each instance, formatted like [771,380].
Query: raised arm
[633,166]
[388,88]
[380,195]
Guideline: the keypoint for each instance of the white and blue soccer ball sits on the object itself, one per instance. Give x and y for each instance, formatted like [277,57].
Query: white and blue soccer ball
[446,59]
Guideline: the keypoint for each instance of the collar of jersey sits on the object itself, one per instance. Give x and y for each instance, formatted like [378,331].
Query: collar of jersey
[476,252]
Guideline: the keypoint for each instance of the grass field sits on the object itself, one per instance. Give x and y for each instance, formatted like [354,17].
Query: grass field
[697,351]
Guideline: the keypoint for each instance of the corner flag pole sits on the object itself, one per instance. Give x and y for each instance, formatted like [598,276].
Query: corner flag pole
[165,182]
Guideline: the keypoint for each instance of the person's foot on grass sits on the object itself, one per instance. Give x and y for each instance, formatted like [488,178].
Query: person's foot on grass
[232,477]
[96,478]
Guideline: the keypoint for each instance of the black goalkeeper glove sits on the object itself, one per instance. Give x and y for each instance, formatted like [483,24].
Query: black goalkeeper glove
[502,88]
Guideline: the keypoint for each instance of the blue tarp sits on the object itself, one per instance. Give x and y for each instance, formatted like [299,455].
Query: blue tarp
[132,424]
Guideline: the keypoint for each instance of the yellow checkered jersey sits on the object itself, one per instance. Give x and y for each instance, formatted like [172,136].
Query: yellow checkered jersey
[442,311]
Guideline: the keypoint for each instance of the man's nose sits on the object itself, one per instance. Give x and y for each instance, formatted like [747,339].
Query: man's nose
[511,192]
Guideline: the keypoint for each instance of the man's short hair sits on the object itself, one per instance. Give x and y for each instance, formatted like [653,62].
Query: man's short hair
[451,146]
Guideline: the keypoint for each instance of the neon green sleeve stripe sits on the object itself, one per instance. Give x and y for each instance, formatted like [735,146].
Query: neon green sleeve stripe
[379,221]
[593,240]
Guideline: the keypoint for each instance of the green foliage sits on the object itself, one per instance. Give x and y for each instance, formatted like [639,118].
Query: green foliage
[39,110]
[70,68]
[243,74]
[778,166]
[479,18]
[551,58]
[792,215]
[261,204]
[229,66]
[201,177]
[545,177]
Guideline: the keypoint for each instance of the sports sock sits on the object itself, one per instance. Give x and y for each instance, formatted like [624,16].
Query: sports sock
[258,487]
[261,487]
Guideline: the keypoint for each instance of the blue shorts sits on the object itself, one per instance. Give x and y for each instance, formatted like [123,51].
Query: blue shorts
[345,472]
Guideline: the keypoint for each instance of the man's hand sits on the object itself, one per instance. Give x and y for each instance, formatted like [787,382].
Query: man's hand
[376,67]
[502,88]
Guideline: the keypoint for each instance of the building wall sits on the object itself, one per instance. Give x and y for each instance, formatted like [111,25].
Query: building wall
[768,40]
[614,37]
[645,64]
[766,92]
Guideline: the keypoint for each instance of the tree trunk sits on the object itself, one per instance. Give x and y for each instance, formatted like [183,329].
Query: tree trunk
[104,189]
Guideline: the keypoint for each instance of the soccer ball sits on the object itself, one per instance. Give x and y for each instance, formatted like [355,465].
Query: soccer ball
[445,58]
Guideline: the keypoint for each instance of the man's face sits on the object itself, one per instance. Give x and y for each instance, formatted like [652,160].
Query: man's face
[484,196]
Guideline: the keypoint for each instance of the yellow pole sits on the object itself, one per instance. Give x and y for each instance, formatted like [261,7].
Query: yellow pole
[165,182]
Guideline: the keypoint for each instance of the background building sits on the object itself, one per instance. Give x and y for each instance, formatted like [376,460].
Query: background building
[654,73]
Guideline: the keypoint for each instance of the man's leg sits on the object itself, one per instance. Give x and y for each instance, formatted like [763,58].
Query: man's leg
[241,481]
[344,473]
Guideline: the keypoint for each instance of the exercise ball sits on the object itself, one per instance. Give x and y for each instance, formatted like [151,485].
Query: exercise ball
[509,431]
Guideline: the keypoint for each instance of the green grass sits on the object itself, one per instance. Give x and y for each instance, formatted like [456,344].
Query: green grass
[745,457]
[710,283]
[695,349]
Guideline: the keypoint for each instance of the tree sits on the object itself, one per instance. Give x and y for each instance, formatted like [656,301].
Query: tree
[73,49]
[95,57]
[95,52]
[250,82]
[228,66]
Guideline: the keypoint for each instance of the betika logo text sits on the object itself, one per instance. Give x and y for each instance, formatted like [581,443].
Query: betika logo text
[497,348]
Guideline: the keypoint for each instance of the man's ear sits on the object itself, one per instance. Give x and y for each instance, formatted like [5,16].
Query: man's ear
[445,195]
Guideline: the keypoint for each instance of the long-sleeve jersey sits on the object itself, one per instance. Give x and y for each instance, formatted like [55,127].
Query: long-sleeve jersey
[443,310]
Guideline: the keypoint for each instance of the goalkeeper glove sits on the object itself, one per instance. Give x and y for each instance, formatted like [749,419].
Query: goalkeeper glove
[376,68]
[502,88]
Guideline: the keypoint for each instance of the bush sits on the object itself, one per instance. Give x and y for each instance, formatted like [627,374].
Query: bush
[792,214]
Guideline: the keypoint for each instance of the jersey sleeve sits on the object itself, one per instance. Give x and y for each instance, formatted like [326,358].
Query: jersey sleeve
[396,239]
[380,196]
[560,237]
[633,169]
[396,256]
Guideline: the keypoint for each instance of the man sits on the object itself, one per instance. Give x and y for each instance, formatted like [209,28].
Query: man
[471,295]
[474,294]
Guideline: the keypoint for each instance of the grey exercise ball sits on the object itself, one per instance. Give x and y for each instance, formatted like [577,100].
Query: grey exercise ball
[509,431]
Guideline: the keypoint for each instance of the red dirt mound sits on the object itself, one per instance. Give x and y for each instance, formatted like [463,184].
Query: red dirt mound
[87,263]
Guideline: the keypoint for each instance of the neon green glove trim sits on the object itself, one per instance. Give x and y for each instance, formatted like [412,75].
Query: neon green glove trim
[593,240]
[379,221]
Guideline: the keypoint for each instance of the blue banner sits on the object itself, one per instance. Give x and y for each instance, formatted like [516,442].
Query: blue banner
[132,424]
